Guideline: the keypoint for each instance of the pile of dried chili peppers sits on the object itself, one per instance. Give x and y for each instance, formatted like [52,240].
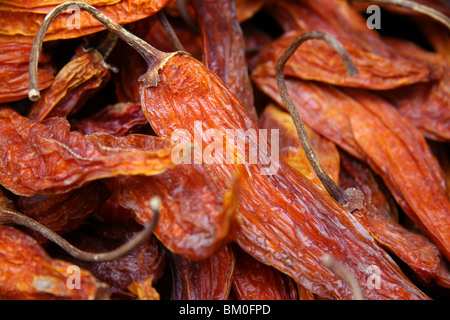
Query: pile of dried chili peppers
[110,109]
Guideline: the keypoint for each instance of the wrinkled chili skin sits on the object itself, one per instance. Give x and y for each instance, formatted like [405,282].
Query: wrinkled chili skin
[27,272]
[253,280]
[224,48]
[65,212]
[416,250]
[283,209]
[74,84]
[379,66]
[22,19]
[208,279]
[194,220]
[14,71]
[50,159]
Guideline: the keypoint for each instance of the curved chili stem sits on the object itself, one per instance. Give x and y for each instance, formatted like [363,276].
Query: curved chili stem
[10,216]
[329,262]
[107,45]
[426,10]
[350,198]
[152,56]
[170,32]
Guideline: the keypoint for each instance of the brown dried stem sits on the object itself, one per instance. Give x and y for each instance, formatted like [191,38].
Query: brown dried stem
[350,198]
[432,13]
[152,56]
[170,32]
[107,45]
[341,271]
[8,215]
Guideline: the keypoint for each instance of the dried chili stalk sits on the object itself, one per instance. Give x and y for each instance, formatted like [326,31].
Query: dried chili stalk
[274,118]
[9,215]
[298,221]
[350,198]
[208,279]
[127,85]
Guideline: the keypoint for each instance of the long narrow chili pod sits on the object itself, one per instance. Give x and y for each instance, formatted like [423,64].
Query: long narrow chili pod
[224,48]
[287,221]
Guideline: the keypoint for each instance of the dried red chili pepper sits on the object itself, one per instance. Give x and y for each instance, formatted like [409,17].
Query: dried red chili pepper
[224,48]
[208,279]
[417,251]
[63,212]
[14,71]
[196,218]
[76,82]
[297,209]
[118,119]
[27,272]
[22,18]
[253,280]
[426,105]
[46,158]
